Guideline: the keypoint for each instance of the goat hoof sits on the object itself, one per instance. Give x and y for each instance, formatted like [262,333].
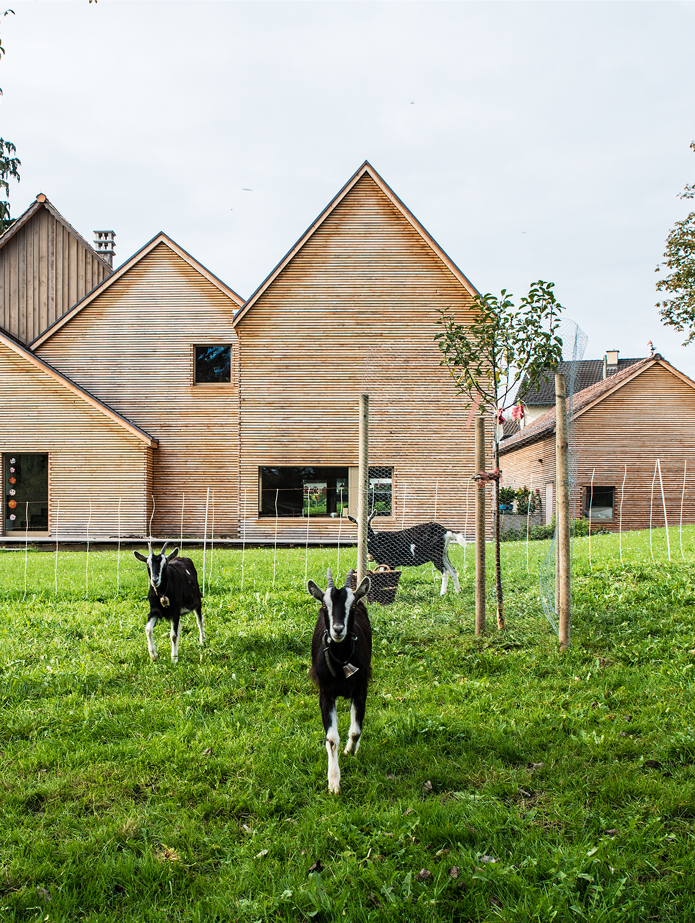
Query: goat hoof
[155,657]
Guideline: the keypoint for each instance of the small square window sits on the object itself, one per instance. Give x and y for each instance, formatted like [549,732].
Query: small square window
[600,502]
[213,365]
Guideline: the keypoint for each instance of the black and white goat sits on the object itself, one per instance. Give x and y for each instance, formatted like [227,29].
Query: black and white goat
[341,663]
[174,591]
[427,541]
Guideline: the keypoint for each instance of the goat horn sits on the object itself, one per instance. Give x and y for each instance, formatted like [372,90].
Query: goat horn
[329,576]
[164,547]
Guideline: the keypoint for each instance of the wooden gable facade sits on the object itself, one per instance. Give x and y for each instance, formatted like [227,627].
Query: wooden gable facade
[72,468]
[352,309]
[45,268]
[132,344]
[622,426]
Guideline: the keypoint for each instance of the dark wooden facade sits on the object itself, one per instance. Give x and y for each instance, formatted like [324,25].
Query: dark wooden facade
[622,426]
[45,269]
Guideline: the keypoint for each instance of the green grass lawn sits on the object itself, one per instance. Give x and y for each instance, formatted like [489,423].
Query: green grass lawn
[497,779]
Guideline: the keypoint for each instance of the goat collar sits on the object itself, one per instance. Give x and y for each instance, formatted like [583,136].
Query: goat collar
[347,668]
[163,598]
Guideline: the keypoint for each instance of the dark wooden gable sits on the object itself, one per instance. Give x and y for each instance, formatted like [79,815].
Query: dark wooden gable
[45,268]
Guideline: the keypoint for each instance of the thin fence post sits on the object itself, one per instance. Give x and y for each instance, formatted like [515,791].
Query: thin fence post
[528,522]
[620,524]
[651,511]
[154,507]
[183,504]
[685,467]
[340,529]
[306,541]
[363,477]
[663,503]
[118,553]
[243,542]
[562,509]
[591,505]
[212,537]
[86,572]
[480,526]
[26,549]
[465,526]
[275,543]
[205,537]
[57,535]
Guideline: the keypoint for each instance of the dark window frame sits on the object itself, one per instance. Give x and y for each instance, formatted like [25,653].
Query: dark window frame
[301,483]
[211,383]
[592,497]
[39,517]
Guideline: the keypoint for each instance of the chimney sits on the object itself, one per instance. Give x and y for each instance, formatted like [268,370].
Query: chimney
[610,362]
[105,245]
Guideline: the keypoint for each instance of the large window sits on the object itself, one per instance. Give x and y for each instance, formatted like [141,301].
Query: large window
[310,490]
[599,501]
[213,365]
[26,493]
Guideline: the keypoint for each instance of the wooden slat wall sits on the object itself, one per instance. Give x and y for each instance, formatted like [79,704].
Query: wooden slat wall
[132,347]
[91,459]
[652,416]
[44,271]
[531,466]
[355,310]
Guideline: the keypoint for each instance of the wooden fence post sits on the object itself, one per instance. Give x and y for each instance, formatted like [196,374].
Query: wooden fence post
[480,526]
[562,512]
[362,500]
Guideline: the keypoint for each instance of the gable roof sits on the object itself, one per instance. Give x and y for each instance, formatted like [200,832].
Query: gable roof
[158,239]
[75,389]
[589,372]
[365,170]
[584,400]
[42,202]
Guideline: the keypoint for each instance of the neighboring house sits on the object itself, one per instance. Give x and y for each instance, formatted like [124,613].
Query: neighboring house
[541,398]
[248,419]
[622,425]
[45,268]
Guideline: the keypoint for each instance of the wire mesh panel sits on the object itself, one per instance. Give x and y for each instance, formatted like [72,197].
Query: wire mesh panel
[574,342]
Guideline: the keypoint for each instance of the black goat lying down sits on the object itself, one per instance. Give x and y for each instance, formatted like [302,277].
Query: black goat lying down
[427,541]
[174,591]
[341,663]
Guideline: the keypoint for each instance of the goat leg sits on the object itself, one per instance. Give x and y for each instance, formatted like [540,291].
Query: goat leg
[174,640]
[201,627]
[149,628]
[330,725]
[357,709]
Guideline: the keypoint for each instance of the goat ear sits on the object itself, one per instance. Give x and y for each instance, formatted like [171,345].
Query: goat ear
[352,519]
[314,590]
[363,588]
[173,554]
[140,557]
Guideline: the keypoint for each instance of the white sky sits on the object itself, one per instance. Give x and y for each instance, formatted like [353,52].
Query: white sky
[533,140]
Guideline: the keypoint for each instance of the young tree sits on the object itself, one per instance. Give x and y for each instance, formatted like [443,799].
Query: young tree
[679,310]
[9,164]
[488,357]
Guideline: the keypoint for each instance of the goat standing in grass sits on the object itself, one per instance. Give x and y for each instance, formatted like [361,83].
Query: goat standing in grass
[174,591]
[341,663]
[427,541]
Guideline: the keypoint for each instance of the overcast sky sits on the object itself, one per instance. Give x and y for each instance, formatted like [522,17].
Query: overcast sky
[543,140]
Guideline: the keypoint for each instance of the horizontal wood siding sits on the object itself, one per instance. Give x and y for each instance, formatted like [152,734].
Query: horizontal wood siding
[354,311]
[650,417]
[44,271]
[93,462]
[132,347]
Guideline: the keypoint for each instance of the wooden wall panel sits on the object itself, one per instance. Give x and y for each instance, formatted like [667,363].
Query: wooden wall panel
[132,347]
[355,310]
[44,270]
[650,417]
[93,462]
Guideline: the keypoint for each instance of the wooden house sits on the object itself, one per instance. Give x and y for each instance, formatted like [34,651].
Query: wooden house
[45,268]
[623,424]
[352,308]
[156,343]
[72,466]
